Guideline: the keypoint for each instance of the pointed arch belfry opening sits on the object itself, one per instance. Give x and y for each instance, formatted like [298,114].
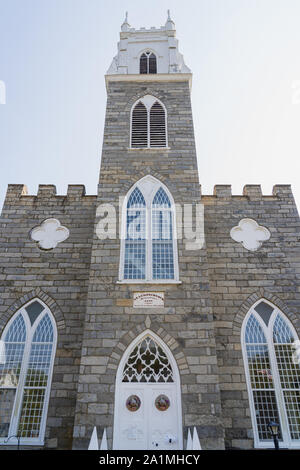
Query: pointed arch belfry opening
[147,397]
[272,367]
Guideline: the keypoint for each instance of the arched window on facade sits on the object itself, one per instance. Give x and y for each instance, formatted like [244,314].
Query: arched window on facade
[149,248]
[28,350]
[273,374]
[148,123]
[148,63]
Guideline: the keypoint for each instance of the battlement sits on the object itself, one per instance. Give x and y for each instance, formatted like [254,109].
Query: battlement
[17,192]
[251,192]
[76,192]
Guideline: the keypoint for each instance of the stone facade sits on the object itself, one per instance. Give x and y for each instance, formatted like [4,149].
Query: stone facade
[203,313]
[58,277]
[239,277]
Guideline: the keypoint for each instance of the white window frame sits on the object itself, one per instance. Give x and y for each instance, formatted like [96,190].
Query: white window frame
[148,187]
[17,406]
[148,101]
[286,442]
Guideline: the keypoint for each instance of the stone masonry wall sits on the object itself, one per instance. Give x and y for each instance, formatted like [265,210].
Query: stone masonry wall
[239,277]
[59,277]
[185,323]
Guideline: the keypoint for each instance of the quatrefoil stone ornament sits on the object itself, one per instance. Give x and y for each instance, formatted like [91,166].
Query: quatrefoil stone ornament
[250,234]
[49,234]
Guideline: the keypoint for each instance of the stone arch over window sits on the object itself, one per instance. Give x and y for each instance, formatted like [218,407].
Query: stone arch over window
[148,241]
[38,294]
[272,369]
[28,345]
[148,62]
[148,123]
[159,331]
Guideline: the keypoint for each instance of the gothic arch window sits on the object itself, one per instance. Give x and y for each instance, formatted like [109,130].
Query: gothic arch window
[149,248]
[273,374]
[148,63]
[148,123]
[26,362]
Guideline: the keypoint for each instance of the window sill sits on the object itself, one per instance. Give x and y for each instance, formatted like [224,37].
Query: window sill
[155,281]
[148,149]
[25,441]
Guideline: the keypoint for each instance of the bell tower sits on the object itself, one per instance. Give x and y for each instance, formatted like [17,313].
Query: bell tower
[148,282]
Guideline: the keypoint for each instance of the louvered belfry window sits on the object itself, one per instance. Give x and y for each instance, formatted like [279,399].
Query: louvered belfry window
[148,124]
[139,135]
[157,126]
[148,63]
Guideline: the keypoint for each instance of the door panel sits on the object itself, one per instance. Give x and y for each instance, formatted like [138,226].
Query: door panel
[163,425]
[150,426]
[132,424]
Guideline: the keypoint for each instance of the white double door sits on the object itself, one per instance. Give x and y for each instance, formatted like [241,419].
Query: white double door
[150,426]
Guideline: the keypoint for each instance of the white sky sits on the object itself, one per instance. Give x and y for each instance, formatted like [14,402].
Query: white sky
[245,59]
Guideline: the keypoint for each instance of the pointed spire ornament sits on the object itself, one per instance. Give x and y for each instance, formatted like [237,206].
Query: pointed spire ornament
[103,445]
[125,26]
[196,442]
[93,445]
[189,443]
[170,25]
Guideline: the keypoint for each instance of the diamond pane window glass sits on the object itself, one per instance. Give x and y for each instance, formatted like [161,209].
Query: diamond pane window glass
[273,374]
[25,376]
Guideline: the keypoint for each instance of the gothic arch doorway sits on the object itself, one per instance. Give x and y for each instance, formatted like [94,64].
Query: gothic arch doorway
[148,412]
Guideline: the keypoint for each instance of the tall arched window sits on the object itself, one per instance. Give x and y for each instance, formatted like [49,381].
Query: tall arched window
[149,250]
[148,63]
[26,364]
[273,374]
[148,123]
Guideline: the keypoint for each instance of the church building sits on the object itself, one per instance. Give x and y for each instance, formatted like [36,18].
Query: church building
[149,310]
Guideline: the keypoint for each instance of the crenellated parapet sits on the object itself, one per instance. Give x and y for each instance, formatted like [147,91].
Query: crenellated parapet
[251,192]
[17,194]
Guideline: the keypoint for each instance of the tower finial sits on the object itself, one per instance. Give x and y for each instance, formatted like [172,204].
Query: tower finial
[125,26]
[170,25]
